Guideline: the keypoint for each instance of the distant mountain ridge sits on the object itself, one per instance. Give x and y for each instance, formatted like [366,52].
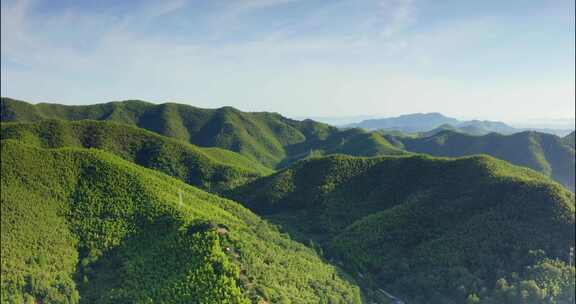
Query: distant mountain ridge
[269,138]
[407,123]
[426,122]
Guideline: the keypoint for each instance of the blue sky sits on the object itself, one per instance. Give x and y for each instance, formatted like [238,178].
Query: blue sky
[508,60]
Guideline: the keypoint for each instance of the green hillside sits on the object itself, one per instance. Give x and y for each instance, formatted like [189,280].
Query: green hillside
[268,138]
[211,169]
[84,226]
[542,152]
[429,230]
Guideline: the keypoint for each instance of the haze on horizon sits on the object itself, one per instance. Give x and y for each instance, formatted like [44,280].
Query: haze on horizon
[511,60]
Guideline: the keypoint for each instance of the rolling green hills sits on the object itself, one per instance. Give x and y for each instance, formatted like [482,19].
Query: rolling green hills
[546,153]
[85,226]
[211,169]
[269,138]
[96,209]
[429,230]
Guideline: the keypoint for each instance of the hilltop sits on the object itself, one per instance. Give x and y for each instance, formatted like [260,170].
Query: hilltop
[85,226]
[211,169]
[546,153]
[269,138]
[429,230]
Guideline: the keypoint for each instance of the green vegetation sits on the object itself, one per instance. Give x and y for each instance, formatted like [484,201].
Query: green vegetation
[84,222]
[211,169]
[84,226]
[546,153]
[269,138]
[429,230]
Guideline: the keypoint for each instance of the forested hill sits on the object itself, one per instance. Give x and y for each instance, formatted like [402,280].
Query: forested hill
[211,169]
[269,138]
[546,153]
[569,139]
[84,226]
[430,230]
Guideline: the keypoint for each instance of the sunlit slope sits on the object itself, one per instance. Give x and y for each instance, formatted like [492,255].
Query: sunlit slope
[84,226]
[211,169]
[430,230]
[269,138]
[546,153]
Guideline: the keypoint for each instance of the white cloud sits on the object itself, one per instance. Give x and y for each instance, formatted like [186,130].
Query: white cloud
[397,15]
[381,68]
[161,8]
[14,37]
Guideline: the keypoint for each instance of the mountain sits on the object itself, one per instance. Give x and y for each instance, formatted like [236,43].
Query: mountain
[545,153]
[558,132]
[465,128]
[84,226]
[336,120]
[442,128]
[480,127]
[429,230]
[211,169]
[431,122]
[269,138]
[407,123]
[83,220]
[569,139]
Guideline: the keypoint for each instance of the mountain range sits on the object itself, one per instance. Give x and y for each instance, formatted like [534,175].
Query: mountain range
[425,122]
[134,202]
[432,230]
[268,138]
[549,154]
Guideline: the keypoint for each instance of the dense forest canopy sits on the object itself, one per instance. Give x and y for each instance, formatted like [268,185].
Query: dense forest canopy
[269,138]
[433,230]
[549,154]
[212,169]
[84,226]
[106,203]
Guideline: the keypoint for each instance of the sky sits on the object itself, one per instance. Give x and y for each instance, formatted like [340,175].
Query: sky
[509,60]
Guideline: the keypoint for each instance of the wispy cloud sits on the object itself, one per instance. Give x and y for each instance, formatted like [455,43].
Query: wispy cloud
[13,28]
[248,53]
[161,8]
[398,15]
